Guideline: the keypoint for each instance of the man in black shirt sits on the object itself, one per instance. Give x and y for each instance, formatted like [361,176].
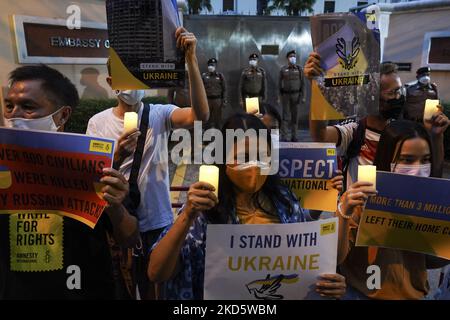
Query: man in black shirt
[41,98]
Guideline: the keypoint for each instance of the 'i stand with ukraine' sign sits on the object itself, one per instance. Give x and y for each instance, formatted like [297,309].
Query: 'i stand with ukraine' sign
[307,169]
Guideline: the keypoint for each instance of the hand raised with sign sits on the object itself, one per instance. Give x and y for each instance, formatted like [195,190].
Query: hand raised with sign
[187,42]
[312,66]
[337,182]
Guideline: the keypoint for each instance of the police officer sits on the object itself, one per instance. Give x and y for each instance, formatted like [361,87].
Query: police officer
[417,93]
[215,90]
[292,92]
[253,82]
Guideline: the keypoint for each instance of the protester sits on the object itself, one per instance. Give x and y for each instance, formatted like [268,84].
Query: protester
[407,149]
[357,141]
[154,211]
[41,98]
[245,196]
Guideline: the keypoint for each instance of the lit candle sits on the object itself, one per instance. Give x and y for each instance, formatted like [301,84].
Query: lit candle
[431,107]
[130,121]
[210,174]
[368,174]
[252,105]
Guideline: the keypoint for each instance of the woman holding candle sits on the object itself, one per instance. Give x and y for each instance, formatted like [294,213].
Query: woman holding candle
[245,196]
[406,149]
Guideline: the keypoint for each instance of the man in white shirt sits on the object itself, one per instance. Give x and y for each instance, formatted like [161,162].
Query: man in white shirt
[154,211]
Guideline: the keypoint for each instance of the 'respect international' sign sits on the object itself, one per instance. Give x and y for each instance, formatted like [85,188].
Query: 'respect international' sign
[45,40]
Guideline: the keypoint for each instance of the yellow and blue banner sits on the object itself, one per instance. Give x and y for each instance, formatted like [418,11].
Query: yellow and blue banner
[409,213]
[44,173]
[307,169]
[349,47]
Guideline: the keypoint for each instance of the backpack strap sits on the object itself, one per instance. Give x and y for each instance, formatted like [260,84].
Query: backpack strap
[134,194]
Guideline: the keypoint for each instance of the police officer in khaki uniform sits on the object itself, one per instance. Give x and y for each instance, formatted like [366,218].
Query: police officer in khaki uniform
[216,92]
[417,93]
[253,82]
[292,92]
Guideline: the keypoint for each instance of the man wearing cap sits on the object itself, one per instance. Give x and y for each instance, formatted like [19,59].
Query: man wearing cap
[215,90]
[292,91]
[417,93]
[253,82]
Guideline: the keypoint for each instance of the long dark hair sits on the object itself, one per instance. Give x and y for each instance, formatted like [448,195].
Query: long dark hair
[392,139]
[227,195]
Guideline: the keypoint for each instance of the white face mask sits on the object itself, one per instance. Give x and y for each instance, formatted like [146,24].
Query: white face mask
[425,80]
[253,63]
[292,60]
[418,170]
[211,68]
[45,123]
[130,97]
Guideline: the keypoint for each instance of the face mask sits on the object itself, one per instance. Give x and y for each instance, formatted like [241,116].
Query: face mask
[253,63]
[418,170]
[424,80]
[395,108]
[292,60]
[211,69]
[130,97]
[45,123]
[248,179]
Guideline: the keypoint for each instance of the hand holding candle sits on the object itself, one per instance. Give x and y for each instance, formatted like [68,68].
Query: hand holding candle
[210,174]
[252,105]
[130,121]
[368,174]
[431,107]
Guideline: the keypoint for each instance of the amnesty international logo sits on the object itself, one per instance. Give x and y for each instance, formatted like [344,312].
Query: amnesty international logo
[348,57]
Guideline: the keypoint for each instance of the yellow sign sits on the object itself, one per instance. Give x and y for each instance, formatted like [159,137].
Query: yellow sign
[100,146]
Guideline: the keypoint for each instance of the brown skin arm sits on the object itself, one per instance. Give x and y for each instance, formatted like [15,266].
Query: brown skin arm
[185,117]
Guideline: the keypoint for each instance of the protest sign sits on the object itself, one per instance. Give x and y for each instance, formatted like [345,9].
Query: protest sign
[409,213]
[45,173]
[269,262]
[143,51]
[307,168]
[349,47]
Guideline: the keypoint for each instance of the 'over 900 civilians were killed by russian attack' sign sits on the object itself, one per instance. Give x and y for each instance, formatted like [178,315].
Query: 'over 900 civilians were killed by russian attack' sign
[53,173]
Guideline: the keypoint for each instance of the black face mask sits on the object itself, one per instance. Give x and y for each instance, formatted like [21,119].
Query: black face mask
[394,108]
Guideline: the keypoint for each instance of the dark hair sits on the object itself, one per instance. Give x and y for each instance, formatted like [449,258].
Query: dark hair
[58,88]
[392,139]
[227,196]
[388,67]
[271,111]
